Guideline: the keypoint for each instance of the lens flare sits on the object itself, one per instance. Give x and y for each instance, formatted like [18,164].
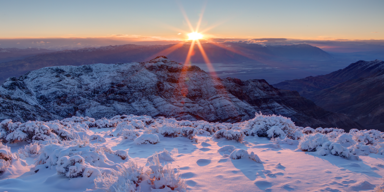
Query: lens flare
[195,36]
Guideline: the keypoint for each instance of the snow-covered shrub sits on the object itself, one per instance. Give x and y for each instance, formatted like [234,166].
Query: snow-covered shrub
[361,149]
[309,130]
[364,137]
[162,155]
[147,139]
[129,134]
[242,154]
[254,157]
[345,139]
[380,149]
[132,178]
[77,161]
[312,142]
[6,158]
[125,125]
[164,177]
[226,149]
[239,154]
[127,179]
[188,132]
[137,124]
[30,150]
[105,123]
[335,149]
[275,132]
[169,131]
[71,166]
[205,128]
[262,123]
[353,131]
[230,135]
[318,130]
[123,154]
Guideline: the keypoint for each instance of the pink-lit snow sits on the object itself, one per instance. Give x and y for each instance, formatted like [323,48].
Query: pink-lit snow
[140,153]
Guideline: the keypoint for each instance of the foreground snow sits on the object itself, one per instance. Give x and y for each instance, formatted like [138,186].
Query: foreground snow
[139,153]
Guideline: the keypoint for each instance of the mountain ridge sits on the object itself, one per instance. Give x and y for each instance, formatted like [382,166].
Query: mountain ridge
[355,91]
[159,87]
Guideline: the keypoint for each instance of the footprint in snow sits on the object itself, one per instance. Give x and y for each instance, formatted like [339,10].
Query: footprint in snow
[362,186]
[204,144]
[191,183]
[288,187]
[203,162]
[187,175]
[204,149]
[279,166]
[263,185]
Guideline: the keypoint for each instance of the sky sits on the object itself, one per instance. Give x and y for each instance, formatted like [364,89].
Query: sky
[164,20]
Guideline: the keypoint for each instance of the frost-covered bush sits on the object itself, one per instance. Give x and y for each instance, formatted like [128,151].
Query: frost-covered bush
[162,156]
[242,154]
[78,161]
[335,149]
[345,139]
[164,177]
[6,158]
[132,178]
[41,132]
[123,154]
[364,137]
[169,131]
[30,150]
[309,130]
[254,157]
[361,149]
[147,139]
[312,142]
[127,179]
[275,132]
[188,132]
[230,135]
[226,149]
[129,134]
[261,124]
[105,123]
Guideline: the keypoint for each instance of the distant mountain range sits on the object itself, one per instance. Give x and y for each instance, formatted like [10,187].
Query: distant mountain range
[357,90]
[11,54]
[159,87]
[283,56]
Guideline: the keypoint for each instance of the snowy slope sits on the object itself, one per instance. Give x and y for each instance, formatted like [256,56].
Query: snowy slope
[159,87]
[139,153]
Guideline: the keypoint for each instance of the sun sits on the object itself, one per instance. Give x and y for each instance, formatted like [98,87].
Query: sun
[194,36]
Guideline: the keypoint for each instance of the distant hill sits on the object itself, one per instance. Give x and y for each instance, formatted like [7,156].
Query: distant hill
[159,87]
[11,54]
[234,53]
[356,90]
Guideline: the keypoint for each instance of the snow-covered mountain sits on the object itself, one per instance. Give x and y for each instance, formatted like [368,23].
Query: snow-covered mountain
[159,87]
[310,86]
[356,90]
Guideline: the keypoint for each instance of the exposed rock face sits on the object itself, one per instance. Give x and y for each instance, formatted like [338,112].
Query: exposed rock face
[356,91]
[159,87]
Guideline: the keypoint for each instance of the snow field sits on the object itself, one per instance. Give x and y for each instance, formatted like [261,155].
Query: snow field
[139,153]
